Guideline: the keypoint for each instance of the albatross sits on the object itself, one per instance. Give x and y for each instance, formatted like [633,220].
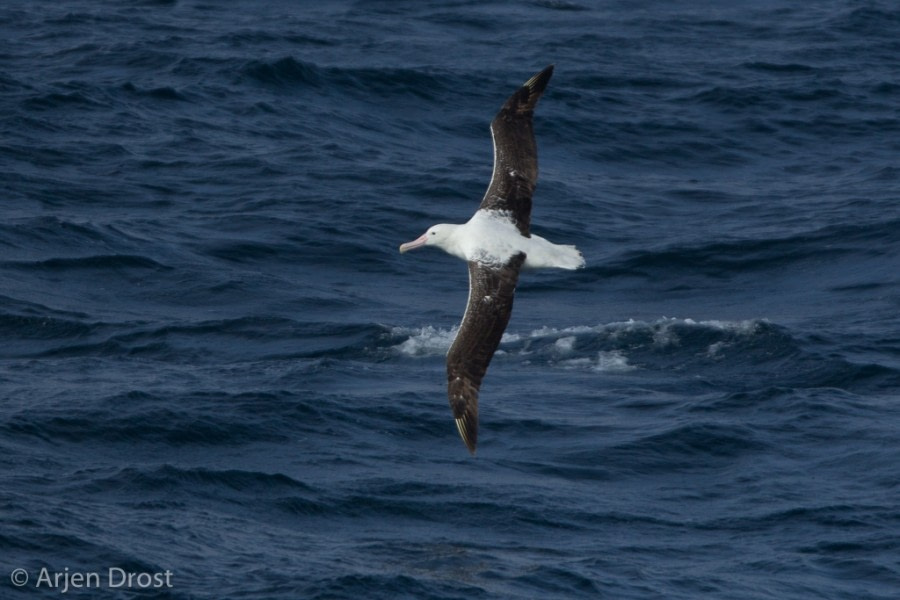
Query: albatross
[496,243]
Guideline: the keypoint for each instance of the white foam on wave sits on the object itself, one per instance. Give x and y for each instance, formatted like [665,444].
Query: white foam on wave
[662,329]
[715,350]
[611,361]
[434,341]
[747,326]
[424,341]
[564,345]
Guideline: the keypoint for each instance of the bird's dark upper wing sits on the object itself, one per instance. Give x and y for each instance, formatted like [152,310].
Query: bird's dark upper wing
[515,153]
[491,290]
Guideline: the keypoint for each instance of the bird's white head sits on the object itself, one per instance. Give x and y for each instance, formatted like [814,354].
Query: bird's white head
[437,235]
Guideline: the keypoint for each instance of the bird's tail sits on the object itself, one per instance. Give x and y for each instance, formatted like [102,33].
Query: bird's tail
[569,257]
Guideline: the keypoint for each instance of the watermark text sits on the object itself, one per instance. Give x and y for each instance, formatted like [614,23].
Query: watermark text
[113,578]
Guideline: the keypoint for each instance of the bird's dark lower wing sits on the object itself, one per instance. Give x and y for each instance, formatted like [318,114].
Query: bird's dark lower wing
[515,153]
[491,290]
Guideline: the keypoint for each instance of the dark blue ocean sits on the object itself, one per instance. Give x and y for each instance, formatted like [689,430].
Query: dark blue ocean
[219,378]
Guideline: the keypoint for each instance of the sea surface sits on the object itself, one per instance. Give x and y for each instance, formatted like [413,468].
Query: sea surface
[220,380]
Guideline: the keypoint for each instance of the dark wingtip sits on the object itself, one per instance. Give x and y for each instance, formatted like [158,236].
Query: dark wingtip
[538,83]
[468,431]
[525,99]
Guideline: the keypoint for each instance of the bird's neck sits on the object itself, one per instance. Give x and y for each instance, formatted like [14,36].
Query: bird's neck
[452,244]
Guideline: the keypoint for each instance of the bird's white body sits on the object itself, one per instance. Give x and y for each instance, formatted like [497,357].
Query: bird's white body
[490,237]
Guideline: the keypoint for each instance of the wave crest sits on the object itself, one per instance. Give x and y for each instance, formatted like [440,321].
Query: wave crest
[609,347]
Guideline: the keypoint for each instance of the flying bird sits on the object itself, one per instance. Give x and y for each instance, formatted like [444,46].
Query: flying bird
[496,243]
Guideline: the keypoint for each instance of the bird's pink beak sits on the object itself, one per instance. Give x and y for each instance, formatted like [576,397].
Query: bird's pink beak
[416,243]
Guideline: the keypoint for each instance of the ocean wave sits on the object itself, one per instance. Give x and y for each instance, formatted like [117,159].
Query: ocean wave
[239,339]
[79,99]
[33,327]
[156,418]
[728,258]
[783,68]
[156,93]
[678,448]
[101,262]
[424,341]
[284,71]
[139,417]
[869,21]
[722,351]
[288,72]
[561,342]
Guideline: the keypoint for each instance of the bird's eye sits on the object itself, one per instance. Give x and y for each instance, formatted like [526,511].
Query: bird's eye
[432,233]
